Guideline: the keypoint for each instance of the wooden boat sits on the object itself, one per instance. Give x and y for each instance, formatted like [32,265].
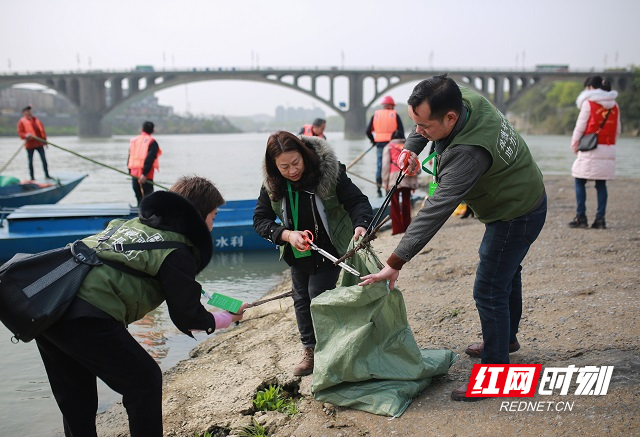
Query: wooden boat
[35,228]
[41,192]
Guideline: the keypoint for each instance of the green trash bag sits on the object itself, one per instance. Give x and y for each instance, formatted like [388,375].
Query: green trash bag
[366,356]
[7,181]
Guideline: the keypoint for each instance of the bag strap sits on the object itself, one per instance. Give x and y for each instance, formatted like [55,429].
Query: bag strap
[604,121]
[149,245]
[119,247]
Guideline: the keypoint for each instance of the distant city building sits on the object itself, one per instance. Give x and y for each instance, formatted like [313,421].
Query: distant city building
[12,100]
[299,114]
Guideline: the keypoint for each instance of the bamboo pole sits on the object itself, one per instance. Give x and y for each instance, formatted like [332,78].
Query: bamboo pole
[12,158]
[94,161]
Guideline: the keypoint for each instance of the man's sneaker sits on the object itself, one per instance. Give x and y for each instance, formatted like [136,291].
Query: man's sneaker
[305,367]
[599,224]
[580,221]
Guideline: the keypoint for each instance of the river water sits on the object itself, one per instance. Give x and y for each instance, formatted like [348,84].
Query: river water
[233,162]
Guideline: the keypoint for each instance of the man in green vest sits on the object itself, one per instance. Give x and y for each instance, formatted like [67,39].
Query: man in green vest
[479,159]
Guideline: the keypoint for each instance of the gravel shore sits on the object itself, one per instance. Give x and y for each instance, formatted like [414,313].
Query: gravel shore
[581,289]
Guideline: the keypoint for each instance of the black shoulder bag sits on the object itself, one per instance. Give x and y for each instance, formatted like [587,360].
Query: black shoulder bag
[590,141]
[36,289]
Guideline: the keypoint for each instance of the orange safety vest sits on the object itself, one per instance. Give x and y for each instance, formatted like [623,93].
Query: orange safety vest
[607,135]
[308,131]
[385,123]
[34,127]
[138,150]
[394,152]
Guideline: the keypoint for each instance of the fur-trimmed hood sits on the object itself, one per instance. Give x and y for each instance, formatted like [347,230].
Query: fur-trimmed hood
[327,161]
[169,211]
[605,98]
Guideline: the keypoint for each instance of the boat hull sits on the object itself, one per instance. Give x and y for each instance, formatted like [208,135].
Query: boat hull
[30,194]
[36,228]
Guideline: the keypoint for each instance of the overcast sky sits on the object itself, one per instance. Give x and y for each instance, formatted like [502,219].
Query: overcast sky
[118,35]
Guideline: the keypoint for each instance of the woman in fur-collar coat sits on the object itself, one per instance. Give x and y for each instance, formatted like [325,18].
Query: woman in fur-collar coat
[597,104]
[307,188]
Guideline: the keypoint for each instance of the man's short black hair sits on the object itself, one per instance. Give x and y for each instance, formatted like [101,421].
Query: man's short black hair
[147,127]
[319,122]
[441,93]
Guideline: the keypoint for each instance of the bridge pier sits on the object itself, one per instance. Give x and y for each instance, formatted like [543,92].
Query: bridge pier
[355,123]
[355,119]
[91,109]
[90,125]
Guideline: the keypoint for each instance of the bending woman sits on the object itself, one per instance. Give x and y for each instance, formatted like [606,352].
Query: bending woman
[307,189]
[599,164]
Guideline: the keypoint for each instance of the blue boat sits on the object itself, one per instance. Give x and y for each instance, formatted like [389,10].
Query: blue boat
[36,228]
[39,193]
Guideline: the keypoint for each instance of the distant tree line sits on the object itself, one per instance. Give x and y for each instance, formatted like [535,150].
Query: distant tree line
[551,108]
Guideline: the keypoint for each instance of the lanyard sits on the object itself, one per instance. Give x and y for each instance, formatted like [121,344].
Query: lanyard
[294,213]
[294,206]
[432,185]
[426,160]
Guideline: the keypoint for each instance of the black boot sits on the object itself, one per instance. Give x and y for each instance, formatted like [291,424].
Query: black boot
[599,224]
[580,221]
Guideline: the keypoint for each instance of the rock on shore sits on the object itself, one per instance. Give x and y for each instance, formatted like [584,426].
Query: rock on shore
[581,301]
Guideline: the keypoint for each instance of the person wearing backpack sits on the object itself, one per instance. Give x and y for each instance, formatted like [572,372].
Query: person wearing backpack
[91,339]
[401,199]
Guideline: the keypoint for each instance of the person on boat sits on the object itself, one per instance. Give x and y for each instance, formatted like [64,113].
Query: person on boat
[481,159]
[30,126]
[600,113]
[401,200]
[383,123]
[91,339]
[307,188]
[143,161]
[316,129]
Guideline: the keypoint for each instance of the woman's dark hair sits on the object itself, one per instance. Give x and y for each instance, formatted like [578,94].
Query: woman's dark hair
[441,93]
[397,135]
[200,191]
[606,85]
[594,81]
[279,143]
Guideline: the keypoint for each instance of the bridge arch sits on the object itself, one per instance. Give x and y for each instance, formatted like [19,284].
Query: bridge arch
[98,93]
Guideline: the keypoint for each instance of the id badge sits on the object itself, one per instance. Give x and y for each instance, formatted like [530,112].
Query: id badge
[432,188]
[299,254]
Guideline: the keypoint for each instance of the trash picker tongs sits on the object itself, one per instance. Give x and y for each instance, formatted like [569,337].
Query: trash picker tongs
[376,224]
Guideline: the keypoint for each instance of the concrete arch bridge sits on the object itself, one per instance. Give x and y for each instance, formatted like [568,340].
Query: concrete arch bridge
[96,94]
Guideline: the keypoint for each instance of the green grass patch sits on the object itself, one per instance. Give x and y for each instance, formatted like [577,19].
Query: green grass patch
[273,399]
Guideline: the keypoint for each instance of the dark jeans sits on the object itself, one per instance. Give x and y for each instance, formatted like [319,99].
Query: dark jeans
[498,286]
[76,352]
[379,150]
[306,287]
[147,188]
[581,197]
[43,158]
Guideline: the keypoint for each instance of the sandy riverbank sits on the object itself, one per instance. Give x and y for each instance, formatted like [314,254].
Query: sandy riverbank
[581,290]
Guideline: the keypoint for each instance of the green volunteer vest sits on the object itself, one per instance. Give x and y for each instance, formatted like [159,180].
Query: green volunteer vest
[124,296]
[340,226]
[513,183]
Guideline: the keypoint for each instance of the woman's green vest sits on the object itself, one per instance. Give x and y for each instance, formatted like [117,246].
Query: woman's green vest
[513,184]
[340,226]
[124,296]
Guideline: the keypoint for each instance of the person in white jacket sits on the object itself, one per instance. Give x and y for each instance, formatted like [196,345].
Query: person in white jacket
[596,103]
